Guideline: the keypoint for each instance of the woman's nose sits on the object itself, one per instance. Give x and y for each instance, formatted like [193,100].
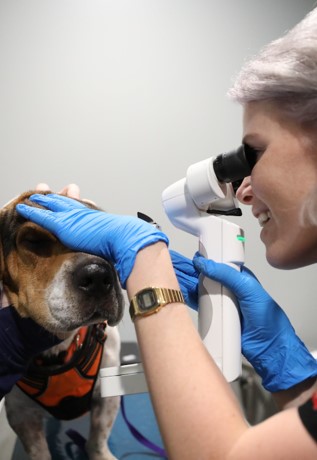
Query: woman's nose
[244,192]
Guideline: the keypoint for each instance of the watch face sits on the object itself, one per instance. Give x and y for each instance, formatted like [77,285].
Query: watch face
[147,299]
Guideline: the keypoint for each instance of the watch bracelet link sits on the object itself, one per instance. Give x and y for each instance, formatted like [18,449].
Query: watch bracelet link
[171,295]
[159,296]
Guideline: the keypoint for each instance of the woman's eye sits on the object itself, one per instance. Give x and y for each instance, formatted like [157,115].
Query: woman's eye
[253,154]
[258,153]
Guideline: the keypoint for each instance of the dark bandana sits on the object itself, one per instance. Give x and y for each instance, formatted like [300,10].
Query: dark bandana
[308,415]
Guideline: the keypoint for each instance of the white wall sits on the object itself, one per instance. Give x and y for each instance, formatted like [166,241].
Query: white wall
[121,96]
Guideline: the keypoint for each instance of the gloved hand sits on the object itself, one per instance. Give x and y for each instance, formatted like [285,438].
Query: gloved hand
[187,276]
[113,237]
[269,341]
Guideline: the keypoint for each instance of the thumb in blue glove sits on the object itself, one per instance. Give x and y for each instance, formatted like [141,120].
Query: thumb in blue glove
[187,276]
[269,341]
[113,237]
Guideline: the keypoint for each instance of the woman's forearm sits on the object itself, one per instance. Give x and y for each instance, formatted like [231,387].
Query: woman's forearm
[181,375]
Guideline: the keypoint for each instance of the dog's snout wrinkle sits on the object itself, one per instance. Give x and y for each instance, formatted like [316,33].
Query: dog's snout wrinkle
[94,279]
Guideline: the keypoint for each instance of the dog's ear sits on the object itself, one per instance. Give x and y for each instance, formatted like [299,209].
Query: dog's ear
[1,245]
[1,253]
[3,240]
[1,261]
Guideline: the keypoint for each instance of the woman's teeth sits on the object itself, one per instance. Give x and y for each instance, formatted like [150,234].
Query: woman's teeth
[263,218]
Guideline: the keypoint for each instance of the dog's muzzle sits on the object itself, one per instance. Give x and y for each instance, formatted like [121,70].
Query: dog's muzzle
[85,291]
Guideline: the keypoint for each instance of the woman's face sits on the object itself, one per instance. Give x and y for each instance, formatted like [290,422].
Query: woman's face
[284,175]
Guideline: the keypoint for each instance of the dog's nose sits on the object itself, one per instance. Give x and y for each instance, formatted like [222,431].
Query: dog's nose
[94,279]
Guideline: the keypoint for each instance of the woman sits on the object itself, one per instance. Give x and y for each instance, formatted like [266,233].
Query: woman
[197,413]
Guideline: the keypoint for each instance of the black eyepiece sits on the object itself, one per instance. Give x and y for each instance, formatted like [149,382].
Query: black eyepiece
[234,165]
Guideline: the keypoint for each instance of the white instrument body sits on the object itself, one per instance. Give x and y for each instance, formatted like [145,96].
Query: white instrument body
[222,241]
[186,204]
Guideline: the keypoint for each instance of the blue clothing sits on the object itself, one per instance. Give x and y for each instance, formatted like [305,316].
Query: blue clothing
[20,340]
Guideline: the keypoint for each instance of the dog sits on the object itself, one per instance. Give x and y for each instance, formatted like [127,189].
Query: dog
[76,296]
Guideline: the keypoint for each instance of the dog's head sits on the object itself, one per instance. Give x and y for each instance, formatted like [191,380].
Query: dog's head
[57,287]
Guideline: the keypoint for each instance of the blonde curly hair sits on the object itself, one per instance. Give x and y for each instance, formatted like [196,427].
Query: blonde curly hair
[284,72]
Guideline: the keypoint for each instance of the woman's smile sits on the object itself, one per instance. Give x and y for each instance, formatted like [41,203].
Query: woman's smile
[285,173]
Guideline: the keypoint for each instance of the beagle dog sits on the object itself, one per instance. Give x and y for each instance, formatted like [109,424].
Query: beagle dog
[76,296]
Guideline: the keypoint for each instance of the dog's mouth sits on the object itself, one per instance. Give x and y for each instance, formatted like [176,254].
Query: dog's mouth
[68,324]
[112,318]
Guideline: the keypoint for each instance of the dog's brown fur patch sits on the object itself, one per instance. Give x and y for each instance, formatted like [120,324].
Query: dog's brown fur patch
[30,260]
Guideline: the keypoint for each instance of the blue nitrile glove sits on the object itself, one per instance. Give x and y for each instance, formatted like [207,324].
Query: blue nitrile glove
[187,276]
[269,341]
[113,237]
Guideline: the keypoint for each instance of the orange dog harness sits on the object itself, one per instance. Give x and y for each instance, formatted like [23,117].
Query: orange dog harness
[65,390]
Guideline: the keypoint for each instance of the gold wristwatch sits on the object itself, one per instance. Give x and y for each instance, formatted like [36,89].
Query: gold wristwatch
[151,299]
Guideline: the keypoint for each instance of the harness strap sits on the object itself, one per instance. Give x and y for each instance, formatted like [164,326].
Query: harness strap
[65,391]
[80,440]
[139,436]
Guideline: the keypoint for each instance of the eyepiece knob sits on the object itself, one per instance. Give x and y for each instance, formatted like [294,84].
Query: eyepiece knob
[234,165]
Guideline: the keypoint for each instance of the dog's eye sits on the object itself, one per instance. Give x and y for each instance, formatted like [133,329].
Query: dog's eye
[40,246]
[35,241]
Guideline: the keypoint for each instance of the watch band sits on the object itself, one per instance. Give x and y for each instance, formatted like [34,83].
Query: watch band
[151,299]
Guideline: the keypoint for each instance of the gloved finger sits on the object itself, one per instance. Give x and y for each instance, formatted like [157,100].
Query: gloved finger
[189,288]
[39,216]
[187,276]
[183,264]
[242,285]
[55,202]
